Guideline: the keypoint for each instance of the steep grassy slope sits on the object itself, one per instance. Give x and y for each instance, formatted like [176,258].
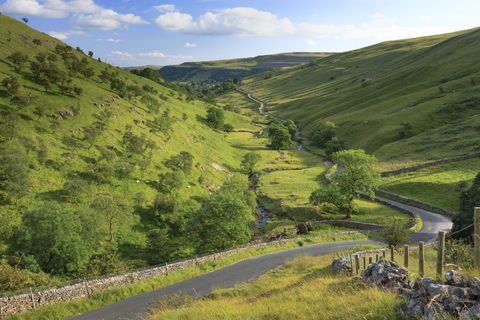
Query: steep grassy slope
[51,130]
[222,70]
[431,83]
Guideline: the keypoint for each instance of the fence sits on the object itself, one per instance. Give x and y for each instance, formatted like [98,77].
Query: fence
[361,259]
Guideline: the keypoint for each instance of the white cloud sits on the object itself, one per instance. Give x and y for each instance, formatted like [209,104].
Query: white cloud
[175,21]
[86,13]
[113,40]
[152,54]
[233,21]
[122,54]
[144,56]
[165,7]
[64,35]
[252,22]
[190,45]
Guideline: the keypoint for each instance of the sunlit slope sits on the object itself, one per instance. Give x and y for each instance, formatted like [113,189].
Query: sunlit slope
[432,83]
[59,132]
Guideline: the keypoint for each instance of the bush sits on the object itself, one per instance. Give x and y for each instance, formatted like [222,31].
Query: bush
[459,253]
[12,278]
[215,118]
[323,133]
[398,233]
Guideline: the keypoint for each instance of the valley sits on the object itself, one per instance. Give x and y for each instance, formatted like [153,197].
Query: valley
[224,189]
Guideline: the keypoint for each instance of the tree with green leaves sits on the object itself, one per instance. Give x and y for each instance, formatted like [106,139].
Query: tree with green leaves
[18,59]
[53,235]
[92,133]
[279,135]
[215,117]
[469,199]
[14,173]
[170,182]
[182,161]
[249,161]
[334,145]
[11,85]
[356,172]
[114,210]
[324,132]
[225,219]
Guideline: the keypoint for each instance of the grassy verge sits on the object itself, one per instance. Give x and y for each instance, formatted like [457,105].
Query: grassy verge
[305,288]
[440,185]
[99,299]
[294,292]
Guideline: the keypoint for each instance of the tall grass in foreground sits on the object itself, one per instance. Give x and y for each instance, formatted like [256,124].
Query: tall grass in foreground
[305,288]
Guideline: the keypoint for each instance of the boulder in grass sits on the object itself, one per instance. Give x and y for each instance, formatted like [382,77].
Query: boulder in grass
[386,274]
[342,266]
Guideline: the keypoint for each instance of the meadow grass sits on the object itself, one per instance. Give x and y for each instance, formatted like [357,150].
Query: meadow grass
[440,185]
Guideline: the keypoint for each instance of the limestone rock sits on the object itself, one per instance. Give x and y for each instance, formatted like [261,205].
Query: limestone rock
[342,266]
[386,274]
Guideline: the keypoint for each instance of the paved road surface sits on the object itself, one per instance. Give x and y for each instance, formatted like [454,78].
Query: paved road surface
[432,222]
[134,308]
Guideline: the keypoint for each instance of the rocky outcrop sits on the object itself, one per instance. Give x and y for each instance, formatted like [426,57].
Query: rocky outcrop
[386,274]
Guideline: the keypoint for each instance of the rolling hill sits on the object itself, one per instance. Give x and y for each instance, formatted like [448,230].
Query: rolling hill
[222,70]
[405,101]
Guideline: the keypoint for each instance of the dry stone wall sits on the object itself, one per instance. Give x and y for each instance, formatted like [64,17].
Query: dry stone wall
[414,203]
[430,164]
[23,302]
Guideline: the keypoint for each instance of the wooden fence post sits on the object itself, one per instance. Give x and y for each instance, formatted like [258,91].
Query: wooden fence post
[364,262]
[392,253]
[376,257]
[421,259]
[357,264]
[405,255]
[370,260]
[440,254]
[476,238]
[384,254]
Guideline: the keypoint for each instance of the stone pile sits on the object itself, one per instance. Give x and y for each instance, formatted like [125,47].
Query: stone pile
[426,298]
[342,266]
[386,274]
[458,298]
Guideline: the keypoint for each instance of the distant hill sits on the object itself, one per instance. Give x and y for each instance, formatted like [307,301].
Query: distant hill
[411,99]
[222,70]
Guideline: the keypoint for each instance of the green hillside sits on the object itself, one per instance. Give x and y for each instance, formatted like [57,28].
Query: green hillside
[222,70]
[404,101]
[69,143]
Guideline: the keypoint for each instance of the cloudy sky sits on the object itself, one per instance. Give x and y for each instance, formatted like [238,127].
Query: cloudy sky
[140,32]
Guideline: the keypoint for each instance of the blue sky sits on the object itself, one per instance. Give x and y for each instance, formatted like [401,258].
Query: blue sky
[134,32]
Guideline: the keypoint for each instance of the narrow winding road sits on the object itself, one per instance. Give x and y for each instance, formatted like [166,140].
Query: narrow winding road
[136,307]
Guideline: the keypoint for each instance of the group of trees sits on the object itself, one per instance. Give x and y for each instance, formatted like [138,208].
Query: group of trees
[325,136]
[281,134]
[216,119]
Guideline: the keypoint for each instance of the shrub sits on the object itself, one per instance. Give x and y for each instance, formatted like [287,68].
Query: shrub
[397,234]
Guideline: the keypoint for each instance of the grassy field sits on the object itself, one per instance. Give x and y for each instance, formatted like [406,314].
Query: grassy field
[303,289]
[440,185]
[430,83]
[292,189]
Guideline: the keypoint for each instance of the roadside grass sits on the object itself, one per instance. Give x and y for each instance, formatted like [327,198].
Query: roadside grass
[305,288]
[106,297]
[440,185]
